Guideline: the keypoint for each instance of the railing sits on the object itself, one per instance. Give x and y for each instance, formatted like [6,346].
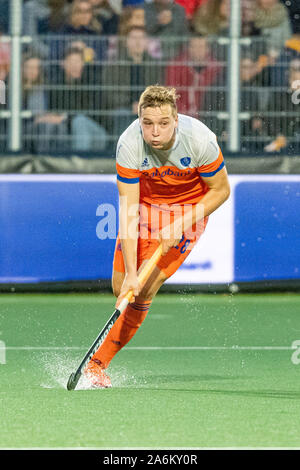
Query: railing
[78,94]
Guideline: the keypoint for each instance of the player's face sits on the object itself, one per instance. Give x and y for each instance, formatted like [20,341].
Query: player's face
[158,126]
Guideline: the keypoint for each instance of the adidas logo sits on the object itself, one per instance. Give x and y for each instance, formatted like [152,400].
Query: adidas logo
[145,162]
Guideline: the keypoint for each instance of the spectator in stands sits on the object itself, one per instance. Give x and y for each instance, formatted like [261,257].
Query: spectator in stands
[293,7]
[80,25]
[4,77]
[53,17]
[5,49]
[135,16]
[125,77]
[42,17]
[34,100]
[80,20]
[190,6]
[105,17]
[248,27]
[193,72]
[33,12]
[167,20]
[133,3]
[284,122]
[252,102]
[4,16]
[272,19]
[279,75]
[131,16]
[212,18]
[73,109]
[215,103]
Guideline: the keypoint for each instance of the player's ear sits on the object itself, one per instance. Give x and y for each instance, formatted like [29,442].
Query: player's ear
[176,121]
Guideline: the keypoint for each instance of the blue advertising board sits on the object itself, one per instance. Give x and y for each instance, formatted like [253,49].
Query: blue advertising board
[49,228]
[63,228]
[267,230]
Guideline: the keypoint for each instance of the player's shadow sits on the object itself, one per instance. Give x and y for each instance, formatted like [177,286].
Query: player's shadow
[163,379]
[191,380]
[287,394]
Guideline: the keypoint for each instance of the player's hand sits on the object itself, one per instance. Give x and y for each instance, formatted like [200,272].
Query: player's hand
[130,283]
[170,236]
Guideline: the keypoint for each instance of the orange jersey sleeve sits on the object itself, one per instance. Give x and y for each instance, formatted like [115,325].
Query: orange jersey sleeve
[212,168]
[127,175]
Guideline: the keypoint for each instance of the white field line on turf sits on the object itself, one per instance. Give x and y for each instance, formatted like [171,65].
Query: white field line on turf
[157,348]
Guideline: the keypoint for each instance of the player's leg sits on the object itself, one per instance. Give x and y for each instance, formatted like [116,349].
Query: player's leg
[133,316]
[131,319]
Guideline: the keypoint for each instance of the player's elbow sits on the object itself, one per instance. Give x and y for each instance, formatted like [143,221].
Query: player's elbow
[226,191]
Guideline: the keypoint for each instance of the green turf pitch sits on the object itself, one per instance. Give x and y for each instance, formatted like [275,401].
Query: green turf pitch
[203,371]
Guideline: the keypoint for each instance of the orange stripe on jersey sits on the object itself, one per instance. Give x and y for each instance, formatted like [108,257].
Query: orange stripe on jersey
[212,168]
[127,175]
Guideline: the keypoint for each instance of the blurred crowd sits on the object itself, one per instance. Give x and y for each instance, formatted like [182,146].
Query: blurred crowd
[87,61]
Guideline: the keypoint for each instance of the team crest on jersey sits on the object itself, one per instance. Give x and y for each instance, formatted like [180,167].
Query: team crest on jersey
[185,161]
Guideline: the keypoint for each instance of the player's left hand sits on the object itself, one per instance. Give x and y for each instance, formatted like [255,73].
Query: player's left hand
[170,236]
[130,283]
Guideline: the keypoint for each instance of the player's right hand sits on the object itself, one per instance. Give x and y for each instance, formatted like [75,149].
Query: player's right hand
[130,283]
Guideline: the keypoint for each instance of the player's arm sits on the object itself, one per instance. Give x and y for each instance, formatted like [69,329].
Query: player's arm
[129,194]
[218,193]
[213,173]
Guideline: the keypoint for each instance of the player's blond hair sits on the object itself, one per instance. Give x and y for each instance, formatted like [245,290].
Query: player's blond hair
[157,95]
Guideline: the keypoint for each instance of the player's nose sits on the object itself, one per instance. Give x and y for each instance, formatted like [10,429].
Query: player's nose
[155,132]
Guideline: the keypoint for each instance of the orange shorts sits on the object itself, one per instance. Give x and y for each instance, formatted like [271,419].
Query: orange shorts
[148,243]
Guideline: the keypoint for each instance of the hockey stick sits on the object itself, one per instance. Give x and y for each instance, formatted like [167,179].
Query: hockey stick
[145,272]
